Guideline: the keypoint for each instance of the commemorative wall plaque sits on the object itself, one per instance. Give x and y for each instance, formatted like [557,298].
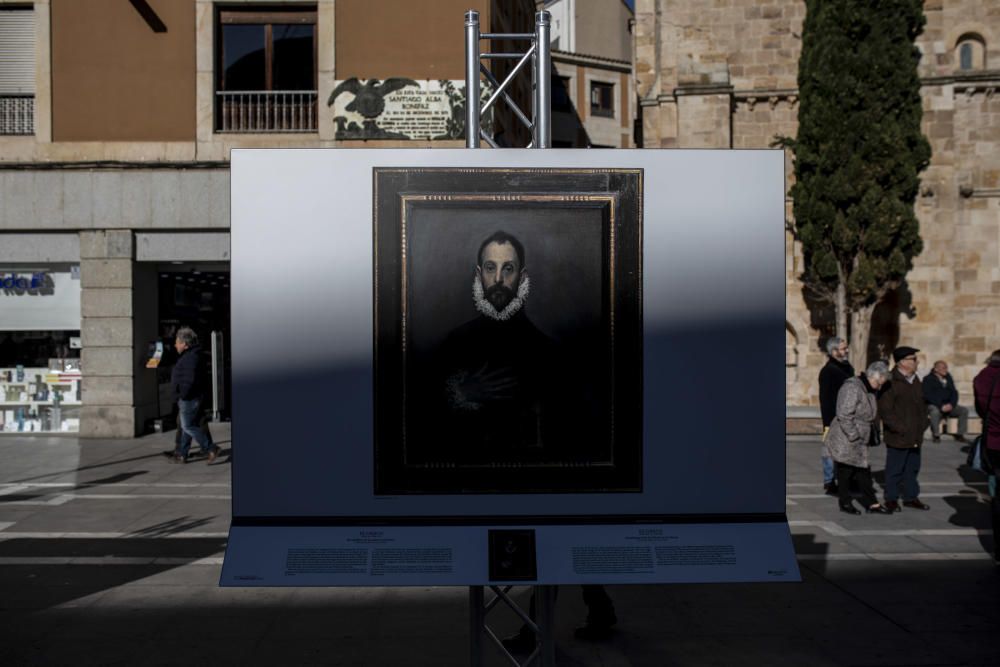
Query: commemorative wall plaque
[400,108]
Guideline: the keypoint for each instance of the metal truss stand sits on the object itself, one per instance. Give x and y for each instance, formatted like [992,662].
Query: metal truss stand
[537,54]
[540,126]
[545,602]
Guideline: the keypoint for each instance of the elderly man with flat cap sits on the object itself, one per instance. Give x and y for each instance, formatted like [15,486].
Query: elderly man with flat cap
[904,419]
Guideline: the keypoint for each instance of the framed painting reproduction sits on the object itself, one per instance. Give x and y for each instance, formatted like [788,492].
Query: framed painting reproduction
[508,330]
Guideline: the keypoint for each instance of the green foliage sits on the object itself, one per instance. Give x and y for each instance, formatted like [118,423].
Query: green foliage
[859,150]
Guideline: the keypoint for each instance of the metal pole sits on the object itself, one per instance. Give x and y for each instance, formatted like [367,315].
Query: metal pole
[545,602]
[216,368]
[543,82]
[477,618]
[472,79]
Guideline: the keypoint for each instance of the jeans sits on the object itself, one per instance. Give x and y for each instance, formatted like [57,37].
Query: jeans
[902,465]
[828,469]
[959,411]
[189,412]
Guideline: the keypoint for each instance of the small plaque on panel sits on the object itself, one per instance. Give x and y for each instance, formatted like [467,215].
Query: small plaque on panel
[512,555]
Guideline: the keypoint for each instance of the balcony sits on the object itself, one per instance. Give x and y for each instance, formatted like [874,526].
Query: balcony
[17,114]
[260,111]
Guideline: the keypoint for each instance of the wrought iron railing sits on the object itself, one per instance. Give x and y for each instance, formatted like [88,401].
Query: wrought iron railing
[17,114]
[265,111]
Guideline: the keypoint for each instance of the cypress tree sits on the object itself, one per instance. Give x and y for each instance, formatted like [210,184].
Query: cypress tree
[858,155]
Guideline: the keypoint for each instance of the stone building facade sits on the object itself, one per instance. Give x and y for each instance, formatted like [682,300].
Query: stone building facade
[722,74]
[593,91]
[114,168]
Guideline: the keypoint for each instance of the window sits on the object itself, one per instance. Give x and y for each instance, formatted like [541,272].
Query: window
[17,71]
[602,99]
[266,66]
[971,52]
[966,56]
[561,99]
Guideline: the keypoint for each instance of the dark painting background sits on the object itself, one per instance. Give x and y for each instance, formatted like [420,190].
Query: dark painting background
[563,256]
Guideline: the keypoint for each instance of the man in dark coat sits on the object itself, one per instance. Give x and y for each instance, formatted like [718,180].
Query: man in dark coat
[187,379]
[831,377]
[987,399]
[942,401]
[904,419]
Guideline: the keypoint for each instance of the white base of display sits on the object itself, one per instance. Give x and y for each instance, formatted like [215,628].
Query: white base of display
[458,555]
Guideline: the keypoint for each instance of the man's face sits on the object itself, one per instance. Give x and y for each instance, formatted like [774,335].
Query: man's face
[500,273]
[840,352]
[941,369]
[180,346]
[908,365]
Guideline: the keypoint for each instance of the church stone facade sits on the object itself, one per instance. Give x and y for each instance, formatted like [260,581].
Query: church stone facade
[722,74]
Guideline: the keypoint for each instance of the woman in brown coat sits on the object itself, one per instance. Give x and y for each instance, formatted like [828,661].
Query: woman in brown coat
[851,434]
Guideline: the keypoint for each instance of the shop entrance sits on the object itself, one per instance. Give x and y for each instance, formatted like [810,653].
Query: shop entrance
[195,295]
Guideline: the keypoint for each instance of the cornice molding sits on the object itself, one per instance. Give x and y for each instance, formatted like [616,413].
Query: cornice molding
[591,61]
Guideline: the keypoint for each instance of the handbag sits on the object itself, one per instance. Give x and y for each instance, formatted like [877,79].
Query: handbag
[978,459]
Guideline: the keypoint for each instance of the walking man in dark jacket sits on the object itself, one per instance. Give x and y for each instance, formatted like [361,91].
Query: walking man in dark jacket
[987,400]
[188,382]
[903,413]
[942,401]
[831,377]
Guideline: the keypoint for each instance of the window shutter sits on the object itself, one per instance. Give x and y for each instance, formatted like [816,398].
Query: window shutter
[17,52]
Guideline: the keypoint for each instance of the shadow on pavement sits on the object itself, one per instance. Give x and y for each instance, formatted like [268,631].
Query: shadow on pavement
[104,464]
[55,491]
[806,545]
[971,511]
[902,613]
[36,585]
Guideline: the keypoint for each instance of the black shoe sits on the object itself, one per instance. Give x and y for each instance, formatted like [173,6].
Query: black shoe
[916,504]
[522,642]
[830,489]
[849,509]
[878,509]
[177,458]
[936,438]
[960,438]
[892,506]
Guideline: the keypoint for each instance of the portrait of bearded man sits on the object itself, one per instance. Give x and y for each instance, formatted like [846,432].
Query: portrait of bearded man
[507,331]
[495,390]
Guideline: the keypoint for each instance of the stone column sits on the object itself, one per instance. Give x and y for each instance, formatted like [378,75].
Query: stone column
[106,267]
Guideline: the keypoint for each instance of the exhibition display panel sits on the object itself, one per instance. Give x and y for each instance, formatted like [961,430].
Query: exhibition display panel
[517,367]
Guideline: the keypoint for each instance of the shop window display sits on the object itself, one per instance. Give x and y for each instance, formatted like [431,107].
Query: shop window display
[40,378]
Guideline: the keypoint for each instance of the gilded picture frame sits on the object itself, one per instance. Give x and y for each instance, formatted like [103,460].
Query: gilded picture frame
[508,330]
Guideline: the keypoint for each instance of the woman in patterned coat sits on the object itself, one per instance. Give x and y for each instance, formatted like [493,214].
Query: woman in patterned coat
[852,432]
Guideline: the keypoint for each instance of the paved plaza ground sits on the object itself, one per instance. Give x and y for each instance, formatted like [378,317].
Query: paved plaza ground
[111,556]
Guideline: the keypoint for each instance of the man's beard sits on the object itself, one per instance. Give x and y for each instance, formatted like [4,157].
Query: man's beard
[499,295]
[499,302]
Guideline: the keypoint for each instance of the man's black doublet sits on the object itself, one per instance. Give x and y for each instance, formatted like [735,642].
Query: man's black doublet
[493,391]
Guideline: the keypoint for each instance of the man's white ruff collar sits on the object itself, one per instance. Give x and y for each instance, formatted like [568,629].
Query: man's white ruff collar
[486,308]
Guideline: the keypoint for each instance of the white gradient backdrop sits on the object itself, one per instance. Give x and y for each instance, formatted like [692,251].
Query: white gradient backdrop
[713,287]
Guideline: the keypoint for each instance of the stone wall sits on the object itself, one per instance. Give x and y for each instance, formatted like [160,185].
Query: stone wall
[723,74]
